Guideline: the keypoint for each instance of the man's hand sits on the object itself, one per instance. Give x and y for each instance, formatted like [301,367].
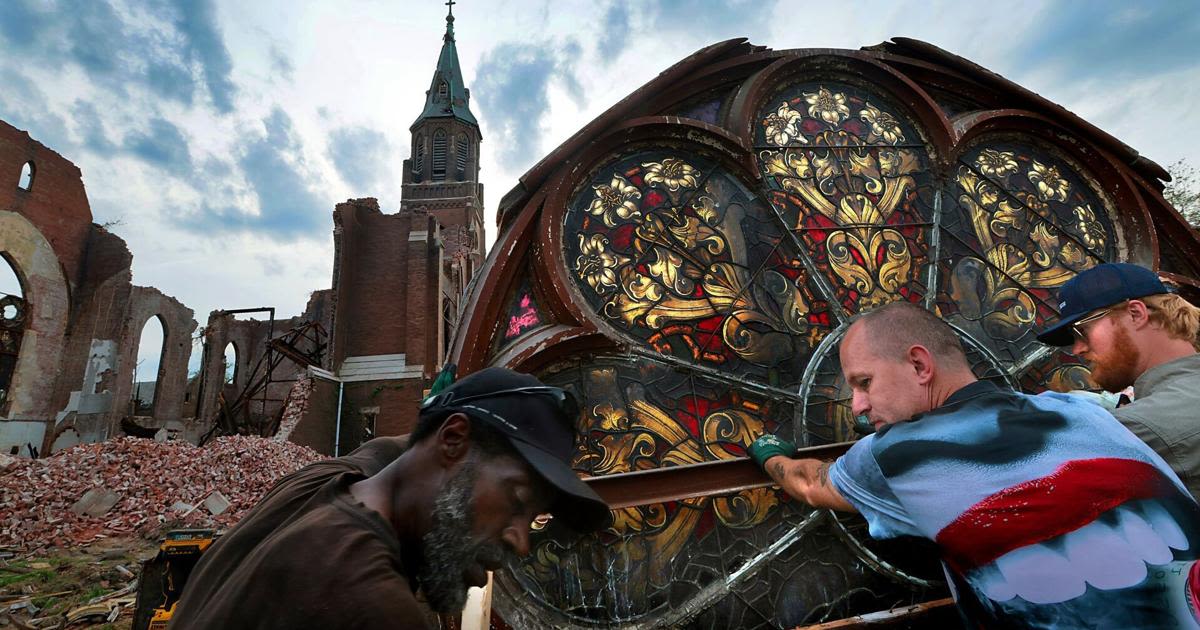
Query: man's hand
[769,446]
[803,479]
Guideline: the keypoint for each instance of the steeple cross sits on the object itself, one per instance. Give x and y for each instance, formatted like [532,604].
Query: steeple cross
[450,4]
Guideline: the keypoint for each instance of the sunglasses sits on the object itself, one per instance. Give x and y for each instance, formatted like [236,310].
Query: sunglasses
[564,399]
[1077,327]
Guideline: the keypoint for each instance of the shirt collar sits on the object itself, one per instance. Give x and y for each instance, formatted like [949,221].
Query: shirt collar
[963,394]
[967,392]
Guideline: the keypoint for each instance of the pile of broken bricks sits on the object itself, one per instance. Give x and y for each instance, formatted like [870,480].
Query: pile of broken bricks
[295,407]
[131,486]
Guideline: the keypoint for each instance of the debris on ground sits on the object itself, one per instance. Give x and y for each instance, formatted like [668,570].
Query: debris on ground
[135,487]
[73,588]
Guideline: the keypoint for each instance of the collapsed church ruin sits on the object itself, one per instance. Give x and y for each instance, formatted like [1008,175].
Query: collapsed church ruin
[70,323]
[685,264]
[353,365]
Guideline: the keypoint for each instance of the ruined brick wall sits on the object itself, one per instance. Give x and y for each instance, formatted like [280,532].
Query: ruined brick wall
[372,282]
[397,403]
[250,338]
[387,288]
[48,299]
[85,317]
[315,426]
[101,304]
[95,385]
[320,309]
[56,203]
[171,378]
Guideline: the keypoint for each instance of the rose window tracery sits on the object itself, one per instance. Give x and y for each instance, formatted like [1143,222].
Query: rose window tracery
[713,278]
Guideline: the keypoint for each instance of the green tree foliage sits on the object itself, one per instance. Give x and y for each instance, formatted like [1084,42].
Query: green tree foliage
[1183,191]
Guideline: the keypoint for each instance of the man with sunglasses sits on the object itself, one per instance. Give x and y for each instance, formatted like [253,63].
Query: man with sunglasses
[1133,331]
[350,542]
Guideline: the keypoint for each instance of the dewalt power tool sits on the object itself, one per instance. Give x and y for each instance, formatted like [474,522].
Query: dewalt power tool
[164,576]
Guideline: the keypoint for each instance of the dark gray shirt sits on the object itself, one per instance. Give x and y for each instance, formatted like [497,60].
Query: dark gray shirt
[1166,416]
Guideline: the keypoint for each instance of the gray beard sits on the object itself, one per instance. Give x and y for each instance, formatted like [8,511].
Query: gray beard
[448,546]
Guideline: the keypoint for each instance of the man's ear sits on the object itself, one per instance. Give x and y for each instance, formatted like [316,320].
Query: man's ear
[922,363]
[1138,314]
[454,439]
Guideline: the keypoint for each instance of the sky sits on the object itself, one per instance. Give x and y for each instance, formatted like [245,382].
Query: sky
[215,136]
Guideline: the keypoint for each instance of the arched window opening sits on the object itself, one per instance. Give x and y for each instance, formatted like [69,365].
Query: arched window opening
[27,173]
[443,89]
[439,155]
[230,363]
[13,310]
[461,153]
[419,156]
[10,282]
[145,368]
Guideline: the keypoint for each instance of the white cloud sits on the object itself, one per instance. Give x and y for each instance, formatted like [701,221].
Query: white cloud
[330,66]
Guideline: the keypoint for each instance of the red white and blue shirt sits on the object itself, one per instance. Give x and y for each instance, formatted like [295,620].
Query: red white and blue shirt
[1047,511]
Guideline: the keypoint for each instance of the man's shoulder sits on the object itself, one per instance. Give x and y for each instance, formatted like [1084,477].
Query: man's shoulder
[1170,415]
[337,569]
[352,550]
[336,517]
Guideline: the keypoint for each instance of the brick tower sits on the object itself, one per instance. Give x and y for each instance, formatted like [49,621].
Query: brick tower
[441,176]
[399,279]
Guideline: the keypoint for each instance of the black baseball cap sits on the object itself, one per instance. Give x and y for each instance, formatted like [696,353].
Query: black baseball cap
[538,421]
[1098,287]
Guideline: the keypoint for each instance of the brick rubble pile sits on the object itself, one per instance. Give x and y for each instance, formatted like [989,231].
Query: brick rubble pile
[295,407]
[156,484]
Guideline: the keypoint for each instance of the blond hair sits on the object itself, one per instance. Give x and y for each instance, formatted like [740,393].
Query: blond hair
[1174,315]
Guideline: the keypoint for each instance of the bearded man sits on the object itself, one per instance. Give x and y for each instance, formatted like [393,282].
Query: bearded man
[1132,331]
[347,543]
[1046,511]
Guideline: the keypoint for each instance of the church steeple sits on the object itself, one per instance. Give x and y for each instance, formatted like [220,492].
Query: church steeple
[441,179]
[448,96]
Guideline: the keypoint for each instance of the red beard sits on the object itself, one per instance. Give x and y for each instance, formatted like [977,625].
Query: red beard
[1116,369]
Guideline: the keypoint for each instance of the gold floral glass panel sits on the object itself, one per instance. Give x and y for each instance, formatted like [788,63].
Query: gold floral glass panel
[850,177]
[1023,222]
[675,252]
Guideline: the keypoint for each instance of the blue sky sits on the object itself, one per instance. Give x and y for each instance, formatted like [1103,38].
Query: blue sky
[220,134]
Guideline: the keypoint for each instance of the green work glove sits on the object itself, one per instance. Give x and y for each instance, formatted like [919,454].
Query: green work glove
[769,446]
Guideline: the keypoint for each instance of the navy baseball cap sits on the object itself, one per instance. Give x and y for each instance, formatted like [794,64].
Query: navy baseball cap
[538,421]
[1096,288]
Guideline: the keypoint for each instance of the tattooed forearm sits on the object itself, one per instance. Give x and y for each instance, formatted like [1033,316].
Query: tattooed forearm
[823,474]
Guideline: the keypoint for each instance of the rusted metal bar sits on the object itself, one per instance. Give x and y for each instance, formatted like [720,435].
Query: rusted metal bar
[884,618]
[645,487]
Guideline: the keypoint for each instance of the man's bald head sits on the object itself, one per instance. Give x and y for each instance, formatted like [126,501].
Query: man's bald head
[890,330]
[901,360]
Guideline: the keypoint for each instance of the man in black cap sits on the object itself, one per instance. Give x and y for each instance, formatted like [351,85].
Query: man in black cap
[347,543]
[1132,330]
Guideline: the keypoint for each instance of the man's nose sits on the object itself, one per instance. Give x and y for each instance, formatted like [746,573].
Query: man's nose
[859,405]
[516,536]
[1080,346]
